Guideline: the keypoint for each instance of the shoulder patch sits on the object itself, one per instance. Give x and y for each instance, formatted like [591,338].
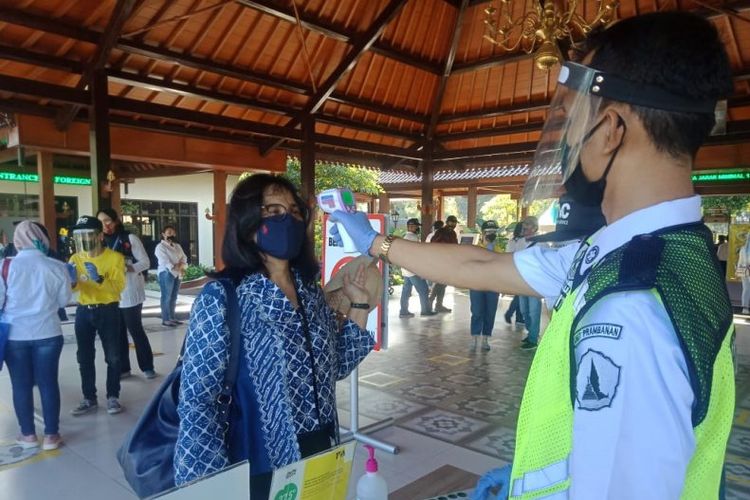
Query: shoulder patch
[607,330]
[597,380]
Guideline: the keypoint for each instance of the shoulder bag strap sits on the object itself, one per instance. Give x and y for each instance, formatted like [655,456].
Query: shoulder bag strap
[5,270]
[224,400]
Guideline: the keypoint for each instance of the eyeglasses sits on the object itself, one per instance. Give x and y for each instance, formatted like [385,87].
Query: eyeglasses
[273,209]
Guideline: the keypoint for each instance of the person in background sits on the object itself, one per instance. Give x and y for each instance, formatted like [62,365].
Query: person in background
[37,286]
[484,303]
[514,304]
[531,307]
[722,253]
[293,348]
[743,272]
[172,264]
[98,274]
[436,226]
[132,298]
[437,294]
[411,280]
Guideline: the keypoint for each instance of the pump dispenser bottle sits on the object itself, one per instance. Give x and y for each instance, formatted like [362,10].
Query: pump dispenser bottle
[371,485]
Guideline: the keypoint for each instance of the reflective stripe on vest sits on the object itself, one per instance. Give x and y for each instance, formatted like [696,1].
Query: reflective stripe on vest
[542,479]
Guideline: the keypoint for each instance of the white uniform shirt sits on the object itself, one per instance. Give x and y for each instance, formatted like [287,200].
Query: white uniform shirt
[135,284]
[169,255]
[37,287]
[632,428]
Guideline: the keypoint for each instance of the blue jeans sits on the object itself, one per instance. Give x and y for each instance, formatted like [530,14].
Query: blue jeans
[35,362]
[169,286]
[483,311]
[531,309]
[422,291]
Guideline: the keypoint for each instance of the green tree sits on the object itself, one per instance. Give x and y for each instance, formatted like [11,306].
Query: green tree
[500,208]
[733,205]
[337,175]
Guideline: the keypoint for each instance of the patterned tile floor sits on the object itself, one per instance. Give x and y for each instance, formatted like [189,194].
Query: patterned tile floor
[435,385]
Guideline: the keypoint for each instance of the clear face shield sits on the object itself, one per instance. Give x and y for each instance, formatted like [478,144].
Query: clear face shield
[573,113]
[88,241]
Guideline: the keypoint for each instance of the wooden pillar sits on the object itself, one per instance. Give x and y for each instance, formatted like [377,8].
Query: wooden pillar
[384,203]
[220,215]
[47,212]
[519,210]
[440,213]
[472,207]
[427,191]
[115,197]
[307,173]
[99,141]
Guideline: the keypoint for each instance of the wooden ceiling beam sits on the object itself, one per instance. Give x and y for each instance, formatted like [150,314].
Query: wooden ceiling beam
[329,30]
[367,127]
[437,103]
[493,112]
[357,102]
[22,55]
[360,44]
[134,47]
[512,150]
[120,14]
[491,132]
[58,93]
[366,147]
[489,62]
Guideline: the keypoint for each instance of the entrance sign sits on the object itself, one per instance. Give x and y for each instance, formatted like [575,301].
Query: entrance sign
[335,257]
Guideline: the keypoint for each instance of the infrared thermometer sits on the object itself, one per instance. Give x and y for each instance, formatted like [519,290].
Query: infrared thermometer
[342,199]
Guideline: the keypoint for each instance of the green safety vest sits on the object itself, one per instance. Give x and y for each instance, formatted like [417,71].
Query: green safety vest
[678,265]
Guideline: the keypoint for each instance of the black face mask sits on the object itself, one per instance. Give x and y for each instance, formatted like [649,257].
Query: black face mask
[490,237]
[578,187]
[171,239]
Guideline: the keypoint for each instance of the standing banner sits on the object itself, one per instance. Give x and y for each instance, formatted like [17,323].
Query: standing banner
[737,236]
[335,257]
[324,476]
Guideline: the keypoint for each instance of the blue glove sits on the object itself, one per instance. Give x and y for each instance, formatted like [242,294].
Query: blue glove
[72,272]
[491,480]
[358,226]
[93,272]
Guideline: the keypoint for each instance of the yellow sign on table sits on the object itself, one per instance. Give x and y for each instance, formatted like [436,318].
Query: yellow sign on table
[324,476]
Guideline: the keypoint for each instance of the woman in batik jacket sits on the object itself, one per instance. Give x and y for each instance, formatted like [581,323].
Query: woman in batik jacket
[293,348]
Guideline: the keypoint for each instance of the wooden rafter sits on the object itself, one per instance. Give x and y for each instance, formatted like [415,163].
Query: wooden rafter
[437,103]
[277,9]
[359,45]
[120,14]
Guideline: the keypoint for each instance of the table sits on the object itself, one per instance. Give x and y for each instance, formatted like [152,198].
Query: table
[441,481]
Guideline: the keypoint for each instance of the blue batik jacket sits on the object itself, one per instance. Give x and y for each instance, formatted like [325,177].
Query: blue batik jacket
[276,360]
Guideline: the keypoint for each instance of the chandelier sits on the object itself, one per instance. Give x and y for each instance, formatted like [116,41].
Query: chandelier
[539,30]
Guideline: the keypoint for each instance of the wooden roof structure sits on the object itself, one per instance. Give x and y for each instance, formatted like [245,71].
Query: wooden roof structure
[386,83]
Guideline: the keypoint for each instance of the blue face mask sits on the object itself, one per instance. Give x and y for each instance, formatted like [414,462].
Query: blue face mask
[281,236]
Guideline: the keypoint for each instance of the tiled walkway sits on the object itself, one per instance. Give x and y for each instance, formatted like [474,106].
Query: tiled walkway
[450,406]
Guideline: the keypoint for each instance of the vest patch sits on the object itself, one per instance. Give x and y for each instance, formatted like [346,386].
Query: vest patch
[607,330]
[597,380]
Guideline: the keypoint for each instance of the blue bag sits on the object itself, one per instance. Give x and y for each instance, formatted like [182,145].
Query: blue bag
[147,454]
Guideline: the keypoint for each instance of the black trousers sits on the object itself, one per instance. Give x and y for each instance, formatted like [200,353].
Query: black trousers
[514,307]
[105,321]
[132,321]
[309,444]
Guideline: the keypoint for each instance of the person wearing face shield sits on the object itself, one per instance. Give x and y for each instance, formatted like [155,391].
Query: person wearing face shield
[98,275]
[631,391]
[172,265]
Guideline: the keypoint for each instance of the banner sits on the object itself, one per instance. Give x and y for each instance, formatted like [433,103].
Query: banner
[737,237]
[335,257]
[324,476]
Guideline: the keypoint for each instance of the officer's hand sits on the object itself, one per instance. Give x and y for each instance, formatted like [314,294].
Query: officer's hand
[491,480]
[72,272]
[358,227]
[92,271]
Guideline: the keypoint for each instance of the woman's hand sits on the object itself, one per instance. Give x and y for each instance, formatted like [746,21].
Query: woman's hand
[354,288]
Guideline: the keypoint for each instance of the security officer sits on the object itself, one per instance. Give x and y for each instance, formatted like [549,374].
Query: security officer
[631,392]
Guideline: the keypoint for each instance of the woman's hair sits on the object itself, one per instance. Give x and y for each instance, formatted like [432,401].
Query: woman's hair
[445,235]
[112,214]
[240,252]
[517,230]
[168,226]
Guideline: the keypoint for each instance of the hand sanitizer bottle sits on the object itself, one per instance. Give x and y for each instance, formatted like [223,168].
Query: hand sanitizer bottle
[372,486]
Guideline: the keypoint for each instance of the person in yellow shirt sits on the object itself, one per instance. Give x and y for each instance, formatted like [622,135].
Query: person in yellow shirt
[98,275]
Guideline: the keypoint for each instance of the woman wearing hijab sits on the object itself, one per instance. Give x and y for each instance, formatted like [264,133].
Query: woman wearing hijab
[36,287]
